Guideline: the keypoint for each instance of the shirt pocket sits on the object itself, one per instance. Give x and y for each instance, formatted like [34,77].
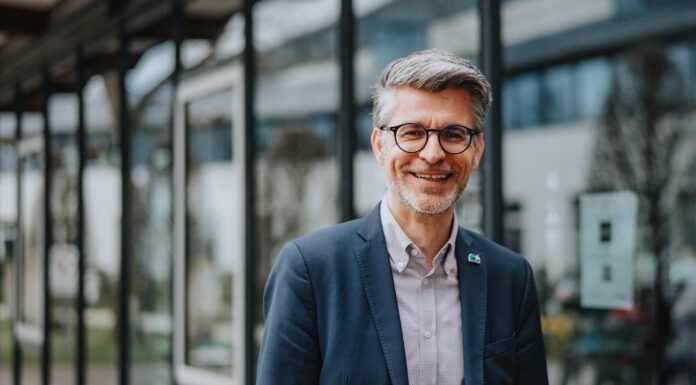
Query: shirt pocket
[499,361]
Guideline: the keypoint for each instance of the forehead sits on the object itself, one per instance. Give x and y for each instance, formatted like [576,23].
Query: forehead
[449,106]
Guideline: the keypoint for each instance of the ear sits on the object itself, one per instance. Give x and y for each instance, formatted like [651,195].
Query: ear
[478,151]
[377,145]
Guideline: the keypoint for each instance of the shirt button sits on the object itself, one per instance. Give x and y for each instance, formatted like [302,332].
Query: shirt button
[427,334]
[401,264]
[414,252]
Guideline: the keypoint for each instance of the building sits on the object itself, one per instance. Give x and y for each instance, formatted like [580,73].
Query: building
[163,125]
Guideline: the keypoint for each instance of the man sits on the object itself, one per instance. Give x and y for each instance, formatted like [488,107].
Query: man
[403,295]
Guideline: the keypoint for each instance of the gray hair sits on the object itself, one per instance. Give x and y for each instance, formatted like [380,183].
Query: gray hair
[433,70]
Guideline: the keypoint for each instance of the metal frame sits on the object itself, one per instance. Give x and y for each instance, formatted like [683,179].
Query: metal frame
[249,92]
[346,132]
[48,235]
[16,310]
[124,277]
[80,340]
[492,175]
[229,77]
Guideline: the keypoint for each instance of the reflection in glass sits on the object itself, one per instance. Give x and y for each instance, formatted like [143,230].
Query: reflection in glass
[632,131]
[212,235]
[32,235]
[558,94]
[102,195]
[297,102]
[64,254]
[150,93]
[593,79]
[8,238]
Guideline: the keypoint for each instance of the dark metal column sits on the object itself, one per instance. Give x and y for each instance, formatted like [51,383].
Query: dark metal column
[48,235]
[81,355]
[492,173]
[346,129]
[125,142]
[17,316]
[249,204]
[178,37]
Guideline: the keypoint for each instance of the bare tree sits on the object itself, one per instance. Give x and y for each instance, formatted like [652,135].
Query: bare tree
[643,146]
[283,185]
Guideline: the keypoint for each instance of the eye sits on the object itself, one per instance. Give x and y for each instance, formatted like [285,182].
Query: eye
[454,134]
[410,132]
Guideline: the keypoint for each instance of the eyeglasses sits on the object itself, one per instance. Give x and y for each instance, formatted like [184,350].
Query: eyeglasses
[412,137]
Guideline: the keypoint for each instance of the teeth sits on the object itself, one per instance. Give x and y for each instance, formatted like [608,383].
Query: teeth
[432,176]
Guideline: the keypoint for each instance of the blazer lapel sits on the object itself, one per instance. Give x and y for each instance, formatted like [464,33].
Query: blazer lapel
[375,272]
[472,295]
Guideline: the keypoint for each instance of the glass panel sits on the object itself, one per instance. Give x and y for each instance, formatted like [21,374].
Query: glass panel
[150,94]
[297,103]
[32,232]
[558,98]
[212,236]
[529,99]
[684,58]
[8,239]
[31,253]
[102,199]
[62,111]
[593,80]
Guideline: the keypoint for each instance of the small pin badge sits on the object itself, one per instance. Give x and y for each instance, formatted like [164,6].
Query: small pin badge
[474,258]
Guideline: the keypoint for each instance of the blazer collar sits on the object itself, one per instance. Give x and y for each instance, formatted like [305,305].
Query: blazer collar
[378,284]
[472,296]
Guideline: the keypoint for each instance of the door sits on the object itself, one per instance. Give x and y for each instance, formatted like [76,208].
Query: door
[209,228]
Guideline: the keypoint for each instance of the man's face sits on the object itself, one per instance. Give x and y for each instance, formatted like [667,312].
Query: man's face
[431,180]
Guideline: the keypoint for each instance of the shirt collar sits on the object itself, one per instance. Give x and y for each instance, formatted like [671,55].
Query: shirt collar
[398,242]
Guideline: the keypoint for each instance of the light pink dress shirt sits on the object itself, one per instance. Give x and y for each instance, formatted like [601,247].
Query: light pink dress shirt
[429,306]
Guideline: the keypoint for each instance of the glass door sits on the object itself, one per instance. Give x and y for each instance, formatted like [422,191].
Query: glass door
[209,228]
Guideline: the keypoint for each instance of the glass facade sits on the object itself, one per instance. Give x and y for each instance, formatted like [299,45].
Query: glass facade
[591,113]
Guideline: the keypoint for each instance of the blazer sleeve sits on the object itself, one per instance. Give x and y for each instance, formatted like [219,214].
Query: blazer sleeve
[290,350]
[529,342]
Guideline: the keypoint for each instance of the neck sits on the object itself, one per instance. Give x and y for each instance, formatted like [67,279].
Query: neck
[428,232]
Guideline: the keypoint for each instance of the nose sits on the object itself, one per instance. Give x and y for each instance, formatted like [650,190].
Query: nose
[432,152]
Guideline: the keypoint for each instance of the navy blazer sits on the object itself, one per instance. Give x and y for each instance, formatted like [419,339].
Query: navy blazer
[332,316]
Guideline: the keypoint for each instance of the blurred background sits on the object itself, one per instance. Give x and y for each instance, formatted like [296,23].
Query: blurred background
[156,154]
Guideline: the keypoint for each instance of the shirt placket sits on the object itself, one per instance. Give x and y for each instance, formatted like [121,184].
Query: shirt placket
[427,332]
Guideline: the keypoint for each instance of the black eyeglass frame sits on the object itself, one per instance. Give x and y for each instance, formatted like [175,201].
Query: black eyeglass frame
[470,133]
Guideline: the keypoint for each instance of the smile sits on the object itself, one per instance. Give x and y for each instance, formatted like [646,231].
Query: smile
[431,176]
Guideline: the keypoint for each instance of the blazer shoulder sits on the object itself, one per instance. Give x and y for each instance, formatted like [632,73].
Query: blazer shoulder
[331,241]
[498,258]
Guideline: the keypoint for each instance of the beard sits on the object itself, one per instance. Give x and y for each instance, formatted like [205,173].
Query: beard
[428,201]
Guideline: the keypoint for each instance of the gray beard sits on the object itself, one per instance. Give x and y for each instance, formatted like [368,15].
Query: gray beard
[432,204]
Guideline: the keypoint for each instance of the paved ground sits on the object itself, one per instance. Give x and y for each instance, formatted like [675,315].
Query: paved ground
[156,374]
[97,374]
